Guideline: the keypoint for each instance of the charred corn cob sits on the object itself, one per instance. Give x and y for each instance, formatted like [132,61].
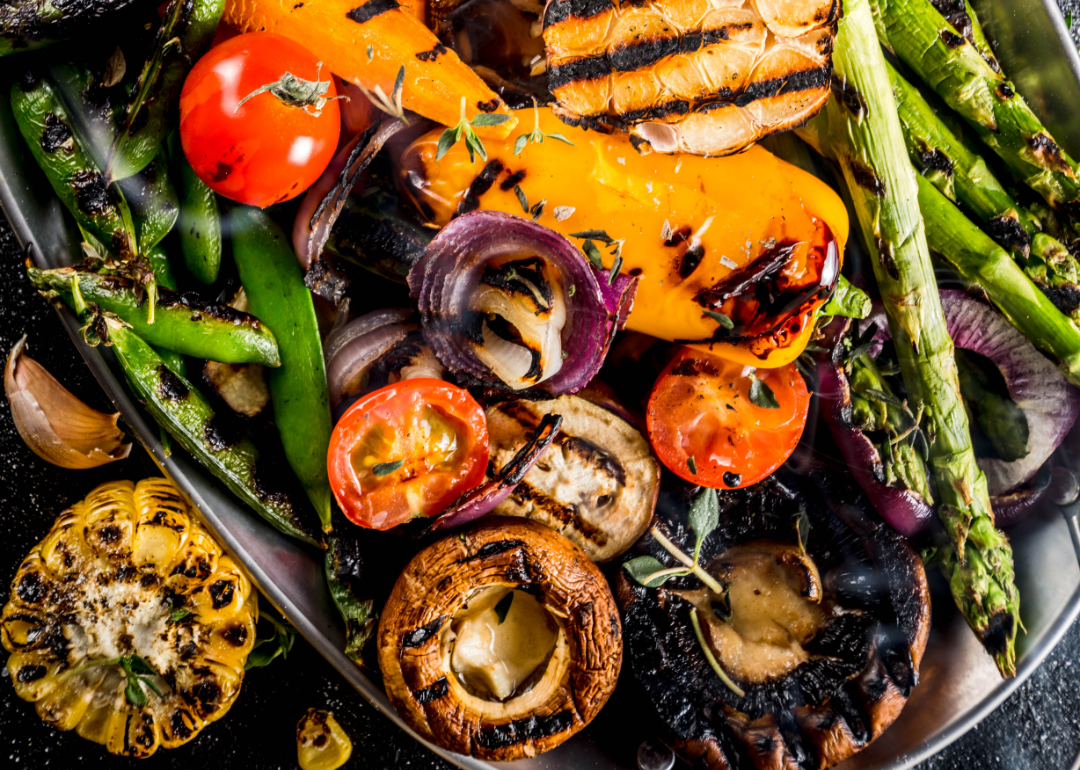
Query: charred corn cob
[128,623]
[709,77]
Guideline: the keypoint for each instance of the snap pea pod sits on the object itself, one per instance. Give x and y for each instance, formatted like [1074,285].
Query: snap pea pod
[159,263]
[276,294]
[96,205]
[153,202]
[29,24]
[200,219]
[182,410]
[188,27]
[213,332]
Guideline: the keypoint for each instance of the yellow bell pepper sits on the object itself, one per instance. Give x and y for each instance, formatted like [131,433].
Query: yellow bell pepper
[746,241]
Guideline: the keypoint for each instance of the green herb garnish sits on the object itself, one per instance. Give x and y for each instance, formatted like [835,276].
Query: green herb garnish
[691,463]
[721,319]
[385,469]
[391,105]
[536,136]
[178,615]
[761,395]
[278,642]
[452,136]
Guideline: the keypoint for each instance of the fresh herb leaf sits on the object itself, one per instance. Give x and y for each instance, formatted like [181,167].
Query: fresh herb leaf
[520,143]
[523,199]
[538,210]
[446,141]
[616,268]
[177,615]
[650,572]
[391,105]
[536,136]
[503,606]
[761,395]
[465,128]
[138,671]
[489,119]
[691,463]
[704,517]
[571,290]
[370,52]
[802,529]
[595,235]
[134,693]
[721,319]
[883,397]
[385,469]
[593,254]
[278,642]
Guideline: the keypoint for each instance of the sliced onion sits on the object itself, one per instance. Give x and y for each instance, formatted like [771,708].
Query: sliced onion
[351,350]
[58,427]
[1048,401]
[905,511]
[483,498]
[444,283]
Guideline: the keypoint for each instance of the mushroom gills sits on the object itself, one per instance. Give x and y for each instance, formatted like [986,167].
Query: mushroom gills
[502,640]
[774,597]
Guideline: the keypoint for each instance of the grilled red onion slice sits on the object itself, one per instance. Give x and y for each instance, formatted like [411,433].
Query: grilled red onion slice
[462,271]
[483,498]
[351,350]
[905,511]
[1048,401]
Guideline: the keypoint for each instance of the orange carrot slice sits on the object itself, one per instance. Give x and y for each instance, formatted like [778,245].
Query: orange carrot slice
[342,33]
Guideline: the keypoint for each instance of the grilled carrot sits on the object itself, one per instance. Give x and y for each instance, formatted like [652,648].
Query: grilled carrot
[343,32]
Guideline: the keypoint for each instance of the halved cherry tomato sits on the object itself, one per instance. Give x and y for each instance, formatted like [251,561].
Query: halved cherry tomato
[405,451]
[268,149]
[706,429]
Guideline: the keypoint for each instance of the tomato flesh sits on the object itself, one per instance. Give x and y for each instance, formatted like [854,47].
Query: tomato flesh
[705,428]
[405,451]
[264,151]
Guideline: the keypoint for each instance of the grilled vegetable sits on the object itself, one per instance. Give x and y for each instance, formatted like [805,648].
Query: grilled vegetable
[321,744]
[187,28]
[343,31]
[867,141]
[274,286]
[700,77]
[343,566]
[963,176]
[100,608]
[701,247]
[200,220]
[214,332]
[501,642]
[29,24]
[924,40]
[153,202]
[596,486]
[241,386]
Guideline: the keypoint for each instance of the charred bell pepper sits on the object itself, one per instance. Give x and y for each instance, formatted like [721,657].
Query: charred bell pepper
[213,332]
[734,255]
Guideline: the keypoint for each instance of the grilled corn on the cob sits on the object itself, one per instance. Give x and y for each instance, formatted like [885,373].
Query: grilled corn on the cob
[128,623]
[709,77]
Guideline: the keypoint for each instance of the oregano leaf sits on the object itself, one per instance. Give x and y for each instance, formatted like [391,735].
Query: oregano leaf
[642,568]
[761,395]
[704,516]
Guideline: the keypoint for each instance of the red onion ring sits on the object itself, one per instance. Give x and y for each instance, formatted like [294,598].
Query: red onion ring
[483,498]
[905,511]
[443,280]
[352,349]
[1049,402]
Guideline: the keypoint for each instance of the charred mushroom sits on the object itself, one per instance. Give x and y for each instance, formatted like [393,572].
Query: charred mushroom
[596,484]
[500,642]
[818,628]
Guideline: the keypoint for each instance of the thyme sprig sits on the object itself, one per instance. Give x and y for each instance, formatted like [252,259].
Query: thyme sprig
[452,136]
[536,136]
[391,105]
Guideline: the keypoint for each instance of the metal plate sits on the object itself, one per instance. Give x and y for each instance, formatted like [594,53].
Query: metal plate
[960,684]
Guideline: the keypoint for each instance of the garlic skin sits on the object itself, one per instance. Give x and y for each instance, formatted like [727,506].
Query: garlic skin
[58,427]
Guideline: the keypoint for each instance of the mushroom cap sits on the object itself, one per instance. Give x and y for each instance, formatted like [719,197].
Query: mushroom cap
[863,662]
[582,670]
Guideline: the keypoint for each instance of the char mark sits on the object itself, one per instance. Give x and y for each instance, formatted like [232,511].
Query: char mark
[437,689]
[56,133]
[951,39]
[690,261]
[804,80]
[219,435]
[593,456]
[512,181]
[1048,153]
[766,265]
[521,730]
[480,185]
[933,159]
[564,514]
[561,10]
[372,8]
[1008,232]
[645,53]
[849,95]
[585,68]
[92,193]
[170,387]
[868,179]
[419,636]
[433,54]
[494,549]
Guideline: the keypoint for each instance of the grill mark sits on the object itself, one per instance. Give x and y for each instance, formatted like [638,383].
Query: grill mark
[593,456]
[933,159]
[369,10]
[418,636]
[433,54]
[522,730]
[586,68]
[951,39]
[690,261]
[1008,232]
[56,133]
[493,549]
[511,181]
[1048,153]
[762,268]
[480,185]
[489,106]
[171,387]
[564,514]
[437,689]
[561,10]
[867,179]
[641,55]
[803,80]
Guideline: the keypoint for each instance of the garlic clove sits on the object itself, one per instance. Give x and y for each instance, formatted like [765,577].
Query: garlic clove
[58,427]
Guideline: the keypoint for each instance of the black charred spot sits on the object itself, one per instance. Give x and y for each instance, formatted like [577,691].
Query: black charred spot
[221,593]
[489,106]
[578,70]
[561,10]
[30,673]
[695,367]
[418,636]
[235,635]
[867,179]
[221,171]
[206,695]
[999,634]
[31,588]
[433,54]
[265,485]
[1005,92]
[933,159]
[732,479]
[1008,232]
[108,534]
[371,9]
[320,740]
[637,142]
[951,39]
[794,82]
[219,435]
[888,258]
[635,272]
[92,193]
[589,454]
[495,548]
[521,730]
[480,185]
[181,724]
[1066,297]
[849,95]
[437,689]
[1048,153]
[170,387]
[28,80]
[55,134]
[690,260]
[512,181]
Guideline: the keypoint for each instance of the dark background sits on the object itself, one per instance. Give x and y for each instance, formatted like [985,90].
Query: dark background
[1037,728]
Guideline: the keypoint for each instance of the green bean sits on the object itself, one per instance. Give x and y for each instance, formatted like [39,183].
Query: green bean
[213,332]
[189,26]
[276,294]
[200,220]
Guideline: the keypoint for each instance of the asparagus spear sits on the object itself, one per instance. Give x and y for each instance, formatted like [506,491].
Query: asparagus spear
[862,128]
[962,175]
[919,35]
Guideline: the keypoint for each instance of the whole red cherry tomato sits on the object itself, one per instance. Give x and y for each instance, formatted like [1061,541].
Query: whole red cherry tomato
[259,146]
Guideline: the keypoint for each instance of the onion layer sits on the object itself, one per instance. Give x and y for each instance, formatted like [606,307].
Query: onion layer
[351,350]
[445,282]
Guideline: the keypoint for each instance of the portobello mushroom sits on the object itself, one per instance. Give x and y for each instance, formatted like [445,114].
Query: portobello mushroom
[820,626]
[596,484]
[501,641]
